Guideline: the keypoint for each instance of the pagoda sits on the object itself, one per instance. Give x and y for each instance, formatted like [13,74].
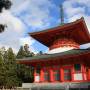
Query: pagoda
[65,61]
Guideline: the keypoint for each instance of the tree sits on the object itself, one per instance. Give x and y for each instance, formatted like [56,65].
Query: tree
[2,27]
[4,4]
[24,52]
[2,70]
[8,69]
[28,53]
[21,52]
[11,70]
[25,73]
[11,56]
[11,73]
[40,53]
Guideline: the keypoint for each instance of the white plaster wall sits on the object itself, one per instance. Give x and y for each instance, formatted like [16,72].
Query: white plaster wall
[58,50]
[37,78]
[78,76]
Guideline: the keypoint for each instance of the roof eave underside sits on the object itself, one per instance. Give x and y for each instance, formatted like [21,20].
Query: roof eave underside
[40,36]
[57,55]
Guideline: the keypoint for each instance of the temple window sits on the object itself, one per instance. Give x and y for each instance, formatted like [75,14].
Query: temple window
[67,74]
[37,77]
[46,76]
[78,75]
[56,75]
[77,67]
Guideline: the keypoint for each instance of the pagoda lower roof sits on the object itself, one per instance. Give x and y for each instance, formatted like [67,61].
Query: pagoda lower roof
[64,55]
[76,30]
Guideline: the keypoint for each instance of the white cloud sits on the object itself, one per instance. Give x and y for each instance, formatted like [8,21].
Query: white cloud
[24,13]
[35,14]
[75,12]
[70,10]
[10,20]
[84,2]
[15,30]
[26,40]
[30,41]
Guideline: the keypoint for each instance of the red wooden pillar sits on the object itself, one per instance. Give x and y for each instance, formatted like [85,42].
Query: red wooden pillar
[88,74]
[61,74]
[83,72]
[51,75]
[72,72]
[41,75]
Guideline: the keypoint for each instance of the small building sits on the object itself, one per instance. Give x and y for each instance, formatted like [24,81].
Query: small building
[65,61]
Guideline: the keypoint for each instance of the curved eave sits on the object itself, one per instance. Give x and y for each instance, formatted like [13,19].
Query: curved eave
[58,56]
[78,28]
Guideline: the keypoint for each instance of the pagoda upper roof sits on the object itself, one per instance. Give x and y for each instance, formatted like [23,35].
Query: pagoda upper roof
[64,55]
[76,30]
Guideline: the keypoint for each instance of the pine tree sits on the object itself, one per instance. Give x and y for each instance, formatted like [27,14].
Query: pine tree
[11,73]
[11,69]
[24,72]
[28,53]
[40,53]
[8,69]
[2,70]
[21,53]
[24,52]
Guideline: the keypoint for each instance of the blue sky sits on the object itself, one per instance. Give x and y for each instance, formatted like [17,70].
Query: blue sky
[34,15]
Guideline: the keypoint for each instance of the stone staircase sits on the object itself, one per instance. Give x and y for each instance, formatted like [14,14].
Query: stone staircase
[56,86]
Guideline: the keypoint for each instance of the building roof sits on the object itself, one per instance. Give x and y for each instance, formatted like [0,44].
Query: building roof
[67,54]
[76,30]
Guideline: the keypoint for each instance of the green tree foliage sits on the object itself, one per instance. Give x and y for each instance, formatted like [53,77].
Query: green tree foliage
[2,70]
[8,68]
[11,73]
[28,53]
[40,53]
[25,73]
[21,52]
[11,69]
[24,52]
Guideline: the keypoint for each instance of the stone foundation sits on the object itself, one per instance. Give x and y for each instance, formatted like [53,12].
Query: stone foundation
[57,86]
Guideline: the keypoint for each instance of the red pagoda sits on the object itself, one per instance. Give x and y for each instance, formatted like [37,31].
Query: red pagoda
[65,61]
